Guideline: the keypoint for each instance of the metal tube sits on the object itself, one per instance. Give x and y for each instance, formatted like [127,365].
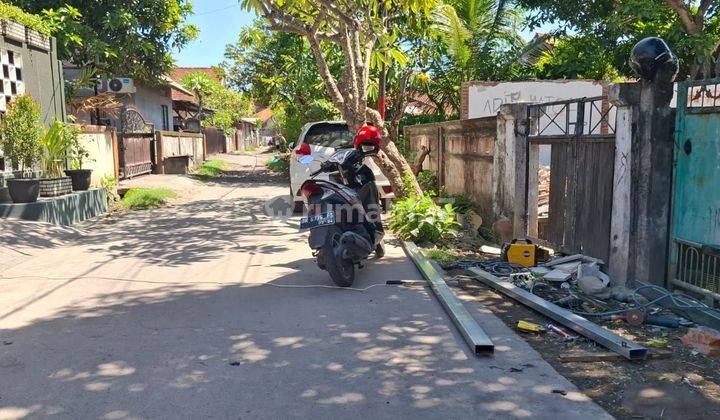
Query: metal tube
[580,325]
[473,334]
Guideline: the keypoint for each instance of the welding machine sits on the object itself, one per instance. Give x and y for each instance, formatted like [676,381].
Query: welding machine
[523,253]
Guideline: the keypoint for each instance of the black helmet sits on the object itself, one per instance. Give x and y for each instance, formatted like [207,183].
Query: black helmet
[651,55]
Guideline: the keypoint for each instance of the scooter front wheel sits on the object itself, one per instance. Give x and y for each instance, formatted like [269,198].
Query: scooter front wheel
[340,268]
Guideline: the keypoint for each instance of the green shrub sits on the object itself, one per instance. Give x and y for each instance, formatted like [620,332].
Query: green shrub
[211,168]
[31,21]
[428,181]
[109,184]
[145,198]
[279,164]
[20,132]
[462,203]
[419,219]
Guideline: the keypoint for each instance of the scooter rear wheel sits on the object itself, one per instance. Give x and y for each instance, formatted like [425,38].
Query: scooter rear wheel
[341,269]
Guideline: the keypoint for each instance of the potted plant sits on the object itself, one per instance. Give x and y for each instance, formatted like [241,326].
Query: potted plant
[20,131]
[56,145]
[78,154]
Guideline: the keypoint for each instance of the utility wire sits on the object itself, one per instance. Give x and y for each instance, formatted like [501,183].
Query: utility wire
[216,10]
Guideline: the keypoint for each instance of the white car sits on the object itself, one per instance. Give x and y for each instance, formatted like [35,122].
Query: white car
[321,139]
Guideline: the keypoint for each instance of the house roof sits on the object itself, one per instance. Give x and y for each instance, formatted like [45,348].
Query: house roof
[177,88]
[179,72]
[264,114]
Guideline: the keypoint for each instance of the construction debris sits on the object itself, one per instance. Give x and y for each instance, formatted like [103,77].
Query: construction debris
[703,339]
[530,327]
[578,324]
[586,357]
[557,276]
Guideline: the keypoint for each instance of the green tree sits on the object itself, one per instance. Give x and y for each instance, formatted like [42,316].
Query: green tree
[201,85]
[278,70]
[353,30]
[133,38]
[228,107]
[691,27]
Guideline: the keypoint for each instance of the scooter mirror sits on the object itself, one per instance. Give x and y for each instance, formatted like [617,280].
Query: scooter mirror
[307,159]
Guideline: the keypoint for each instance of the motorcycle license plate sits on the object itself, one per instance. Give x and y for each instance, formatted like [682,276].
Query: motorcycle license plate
[317,220]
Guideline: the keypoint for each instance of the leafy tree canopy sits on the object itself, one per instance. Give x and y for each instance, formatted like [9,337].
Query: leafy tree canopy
[228,107]
[691,27]
[131,38]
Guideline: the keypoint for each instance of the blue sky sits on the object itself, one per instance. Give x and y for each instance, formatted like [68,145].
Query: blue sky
[219,22]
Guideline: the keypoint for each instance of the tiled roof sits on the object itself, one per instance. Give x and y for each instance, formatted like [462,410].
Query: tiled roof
[264,114]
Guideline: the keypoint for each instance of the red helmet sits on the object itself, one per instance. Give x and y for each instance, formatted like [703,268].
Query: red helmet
[368,139]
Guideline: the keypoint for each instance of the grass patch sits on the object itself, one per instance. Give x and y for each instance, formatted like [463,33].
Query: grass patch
[146,198]
[211,168]
[444,257]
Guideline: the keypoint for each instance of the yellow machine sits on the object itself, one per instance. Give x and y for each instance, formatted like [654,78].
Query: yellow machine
[525,253]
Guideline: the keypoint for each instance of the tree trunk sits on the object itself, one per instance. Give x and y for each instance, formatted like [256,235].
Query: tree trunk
[401,165]
[420,159]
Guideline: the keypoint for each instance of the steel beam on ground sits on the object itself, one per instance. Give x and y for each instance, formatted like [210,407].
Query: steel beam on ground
[471,331]
[580,325]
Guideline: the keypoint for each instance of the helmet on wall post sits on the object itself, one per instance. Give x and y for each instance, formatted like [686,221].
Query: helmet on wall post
[367,139]
[653,59]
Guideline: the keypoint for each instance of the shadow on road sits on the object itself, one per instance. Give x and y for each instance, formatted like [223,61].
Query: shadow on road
[267,351]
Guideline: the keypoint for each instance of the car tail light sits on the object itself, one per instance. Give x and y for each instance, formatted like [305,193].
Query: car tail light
[387,189]
[309,189]
[303,150]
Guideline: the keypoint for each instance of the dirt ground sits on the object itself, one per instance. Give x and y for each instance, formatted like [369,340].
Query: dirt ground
[684,385]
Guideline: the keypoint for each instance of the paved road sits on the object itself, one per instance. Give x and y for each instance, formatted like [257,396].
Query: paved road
[209,309]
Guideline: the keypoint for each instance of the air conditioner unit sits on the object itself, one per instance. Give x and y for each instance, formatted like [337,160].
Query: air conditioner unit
[118,85]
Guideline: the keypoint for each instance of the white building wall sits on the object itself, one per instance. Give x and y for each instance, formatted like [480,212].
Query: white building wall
[483,99]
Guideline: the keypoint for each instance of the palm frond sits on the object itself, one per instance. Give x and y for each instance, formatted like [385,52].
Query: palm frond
[452,30]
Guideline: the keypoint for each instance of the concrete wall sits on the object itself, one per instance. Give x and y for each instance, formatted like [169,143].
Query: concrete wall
[461,157]
[41,76]
[101,142]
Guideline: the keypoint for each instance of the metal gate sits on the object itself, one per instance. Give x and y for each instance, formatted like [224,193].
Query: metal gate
[695,244]
[575,141]
[136,144]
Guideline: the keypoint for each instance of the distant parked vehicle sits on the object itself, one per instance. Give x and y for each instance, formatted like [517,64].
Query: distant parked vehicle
[321,140]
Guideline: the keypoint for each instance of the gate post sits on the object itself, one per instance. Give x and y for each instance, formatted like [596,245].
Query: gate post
[510,172]
[643,181]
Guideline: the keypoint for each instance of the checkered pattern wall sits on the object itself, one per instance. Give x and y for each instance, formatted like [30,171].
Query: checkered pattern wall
[11,77]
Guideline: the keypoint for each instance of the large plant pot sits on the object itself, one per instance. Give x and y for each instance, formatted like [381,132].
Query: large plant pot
[55,187]
[24,190]
[80,178]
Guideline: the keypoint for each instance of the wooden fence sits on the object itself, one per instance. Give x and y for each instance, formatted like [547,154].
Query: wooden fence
[174,144]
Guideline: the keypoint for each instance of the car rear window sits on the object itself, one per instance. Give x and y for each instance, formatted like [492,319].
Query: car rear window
[336,136]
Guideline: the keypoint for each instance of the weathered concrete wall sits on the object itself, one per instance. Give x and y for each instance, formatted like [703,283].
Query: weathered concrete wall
[641,197]
[509,176]
[101,143]
[461,155]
